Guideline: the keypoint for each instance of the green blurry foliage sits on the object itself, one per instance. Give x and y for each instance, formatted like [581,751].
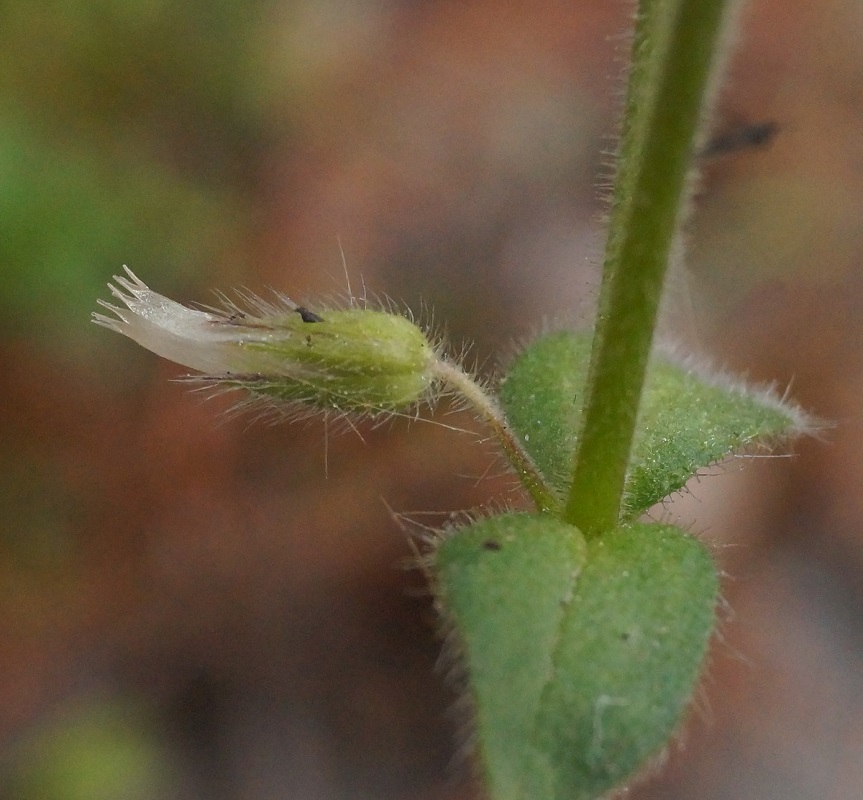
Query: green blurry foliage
[65,214]
[97,751]
[127,133]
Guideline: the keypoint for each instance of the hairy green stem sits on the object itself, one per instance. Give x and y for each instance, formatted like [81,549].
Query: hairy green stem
[676,42]
[488,410]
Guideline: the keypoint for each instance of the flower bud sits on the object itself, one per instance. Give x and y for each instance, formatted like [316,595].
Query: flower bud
[353,359]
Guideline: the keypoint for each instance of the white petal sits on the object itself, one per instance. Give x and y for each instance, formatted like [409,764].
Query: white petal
[196,339]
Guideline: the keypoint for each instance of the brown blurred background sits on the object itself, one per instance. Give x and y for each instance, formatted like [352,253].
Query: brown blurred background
[189,607]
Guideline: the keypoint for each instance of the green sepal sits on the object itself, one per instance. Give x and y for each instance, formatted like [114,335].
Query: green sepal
[685,422]
[354,359]
[579,656]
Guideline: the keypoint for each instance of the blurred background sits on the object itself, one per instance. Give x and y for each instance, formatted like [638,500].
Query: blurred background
[194,606]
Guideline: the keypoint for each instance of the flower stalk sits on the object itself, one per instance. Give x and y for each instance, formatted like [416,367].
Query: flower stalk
[492,415]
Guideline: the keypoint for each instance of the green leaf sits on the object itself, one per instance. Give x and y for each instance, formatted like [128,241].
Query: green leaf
[685,422]
[503,583]
[542,395]
[578,663]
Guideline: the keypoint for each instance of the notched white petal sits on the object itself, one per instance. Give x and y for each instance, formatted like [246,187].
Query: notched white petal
[200,340]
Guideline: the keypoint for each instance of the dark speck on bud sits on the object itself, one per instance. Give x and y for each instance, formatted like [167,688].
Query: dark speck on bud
[306,315]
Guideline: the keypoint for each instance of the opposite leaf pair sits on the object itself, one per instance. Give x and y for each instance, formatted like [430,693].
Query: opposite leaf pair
[580,655]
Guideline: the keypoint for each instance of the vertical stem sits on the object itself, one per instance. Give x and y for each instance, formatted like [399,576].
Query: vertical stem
[675,45]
